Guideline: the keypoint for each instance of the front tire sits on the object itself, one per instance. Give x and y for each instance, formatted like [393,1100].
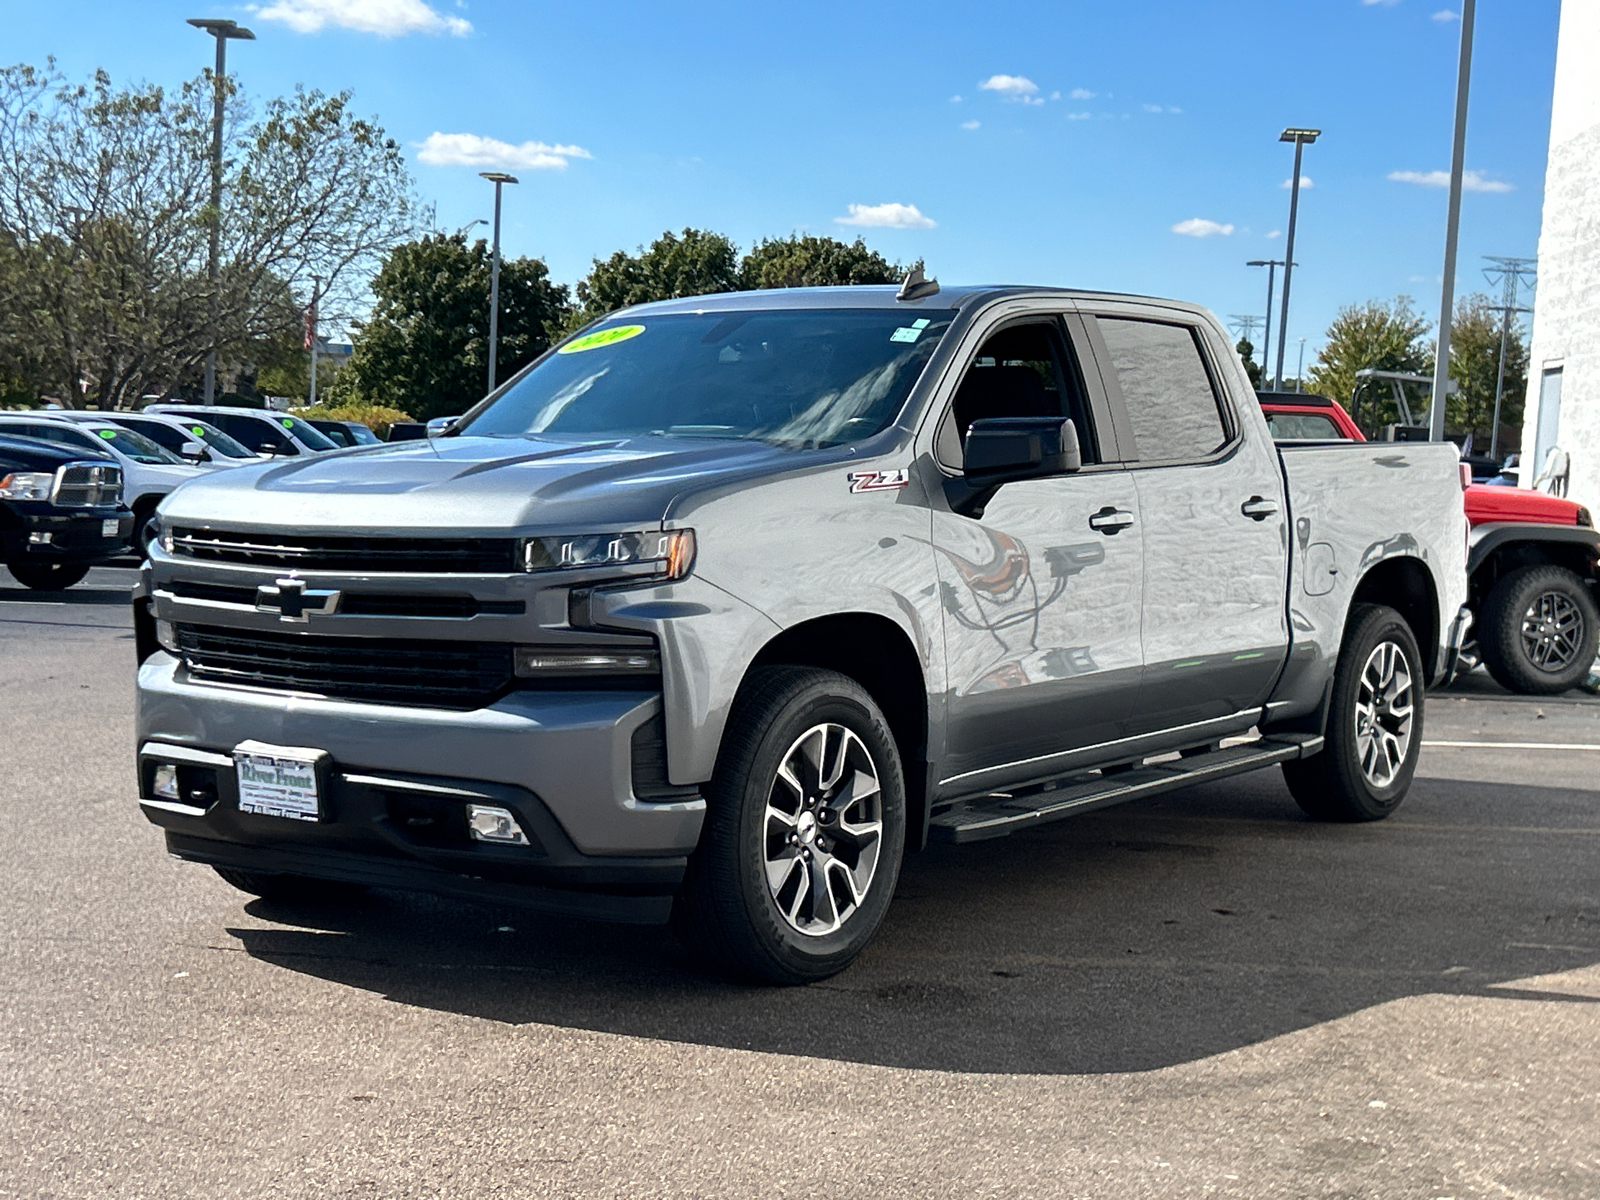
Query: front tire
[1374,728]
[804,833]
[47,576]
[1540,629]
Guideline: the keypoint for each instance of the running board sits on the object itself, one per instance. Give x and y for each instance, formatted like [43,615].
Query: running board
[998,814]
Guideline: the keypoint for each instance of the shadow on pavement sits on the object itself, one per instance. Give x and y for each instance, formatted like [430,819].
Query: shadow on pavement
[1137,938]
[86,596]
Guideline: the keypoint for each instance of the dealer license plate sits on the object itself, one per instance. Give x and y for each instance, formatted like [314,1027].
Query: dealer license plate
[278,781]
[108,527]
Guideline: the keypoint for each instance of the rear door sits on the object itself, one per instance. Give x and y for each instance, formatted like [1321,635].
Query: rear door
[1211,501]
[1041,591]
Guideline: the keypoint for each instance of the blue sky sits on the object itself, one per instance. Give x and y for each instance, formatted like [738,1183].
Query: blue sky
[1102,127]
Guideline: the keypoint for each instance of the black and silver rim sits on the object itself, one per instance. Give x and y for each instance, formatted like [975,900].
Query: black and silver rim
[823,830]
[1384,714]
[1552,632]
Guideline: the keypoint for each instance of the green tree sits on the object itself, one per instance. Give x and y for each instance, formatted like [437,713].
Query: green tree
[425,347]
[106,211]
[1383,335]
[1247,352]
[807,261]
[1474,362]
[695,264]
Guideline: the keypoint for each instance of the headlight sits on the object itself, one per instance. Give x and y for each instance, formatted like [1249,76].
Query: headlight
[634,555]
[1584,518]
[26,485]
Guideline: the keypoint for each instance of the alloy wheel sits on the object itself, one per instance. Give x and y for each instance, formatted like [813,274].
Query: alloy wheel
[1384,713]
[1552,632]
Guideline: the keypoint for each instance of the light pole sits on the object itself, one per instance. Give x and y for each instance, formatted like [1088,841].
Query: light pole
[222,31]
[1272,265]
[1452,225]
[498,178]
[1301,138]
[311,335]
[1300,369]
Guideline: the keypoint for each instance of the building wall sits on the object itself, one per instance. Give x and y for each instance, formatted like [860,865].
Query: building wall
[1566,318]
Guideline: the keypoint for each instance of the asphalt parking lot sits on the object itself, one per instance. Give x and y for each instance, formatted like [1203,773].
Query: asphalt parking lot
[1204,994]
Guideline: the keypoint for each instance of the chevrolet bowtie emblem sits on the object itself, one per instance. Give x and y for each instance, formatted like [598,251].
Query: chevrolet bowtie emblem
[293,601]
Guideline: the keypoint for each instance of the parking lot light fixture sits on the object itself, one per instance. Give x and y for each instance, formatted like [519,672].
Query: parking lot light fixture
[499,179]
[221,30]
[1301,139]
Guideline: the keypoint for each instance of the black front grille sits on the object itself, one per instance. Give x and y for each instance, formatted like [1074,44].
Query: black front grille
[428,674]
[439,556]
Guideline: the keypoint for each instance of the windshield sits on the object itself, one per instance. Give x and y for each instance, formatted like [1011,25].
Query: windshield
[217,440]
[801,378]
[310,437]
[135,445]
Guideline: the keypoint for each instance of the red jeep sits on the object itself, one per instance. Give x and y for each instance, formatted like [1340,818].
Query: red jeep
[1531,563]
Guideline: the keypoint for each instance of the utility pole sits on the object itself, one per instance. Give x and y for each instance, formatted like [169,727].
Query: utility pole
[1508,273]
[1300,370]
[222,31]
[1452,226]
[1272,265]
[311,334]
[1301,139]
[498,178]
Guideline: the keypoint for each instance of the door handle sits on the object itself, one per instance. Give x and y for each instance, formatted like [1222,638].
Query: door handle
[1111,521]
[1258,509]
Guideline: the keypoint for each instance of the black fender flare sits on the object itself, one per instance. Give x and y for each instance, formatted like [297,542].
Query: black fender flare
[1491,537]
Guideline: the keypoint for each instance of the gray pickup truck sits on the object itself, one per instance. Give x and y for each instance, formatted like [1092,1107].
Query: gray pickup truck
[725,604]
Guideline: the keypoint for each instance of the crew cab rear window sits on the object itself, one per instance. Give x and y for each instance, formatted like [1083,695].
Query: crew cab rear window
[1303,427]
[1171,406]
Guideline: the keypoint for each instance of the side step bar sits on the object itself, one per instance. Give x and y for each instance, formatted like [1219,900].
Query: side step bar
[999,814]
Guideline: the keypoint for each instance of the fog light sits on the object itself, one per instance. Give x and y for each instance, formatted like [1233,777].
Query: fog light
[167,636]
[40,539]
[165,783]
[489,824]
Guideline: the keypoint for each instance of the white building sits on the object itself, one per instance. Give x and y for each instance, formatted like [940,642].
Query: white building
[1563,406]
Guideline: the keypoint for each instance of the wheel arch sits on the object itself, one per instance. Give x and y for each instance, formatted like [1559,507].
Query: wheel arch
[879,655]
[1405,584]
[1501,549]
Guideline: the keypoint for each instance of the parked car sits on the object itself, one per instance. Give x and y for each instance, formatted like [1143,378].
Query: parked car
[149,472]
[724,604]
[1531,567]
[270,434]
[61,512]
[407,431]
[345,433]
[191,439]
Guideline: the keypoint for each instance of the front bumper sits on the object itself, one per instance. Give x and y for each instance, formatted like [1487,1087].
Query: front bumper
[561,761]
[49,535]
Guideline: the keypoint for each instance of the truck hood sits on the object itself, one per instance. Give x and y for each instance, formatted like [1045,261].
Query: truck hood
[1484,503]
[478,486]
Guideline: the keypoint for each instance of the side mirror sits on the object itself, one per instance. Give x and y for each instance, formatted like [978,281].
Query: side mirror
[1002,449]
[194,452]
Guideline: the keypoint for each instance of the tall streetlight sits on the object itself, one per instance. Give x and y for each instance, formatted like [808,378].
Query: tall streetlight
[1452,225]
[1301,138]
[311,336]
[499,179]
[1272,265]
[222,31]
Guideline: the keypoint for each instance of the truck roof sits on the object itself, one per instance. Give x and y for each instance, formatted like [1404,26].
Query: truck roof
[879,296]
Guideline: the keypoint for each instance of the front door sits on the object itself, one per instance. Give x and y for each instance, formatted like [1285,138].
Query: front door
[1216,552]
[1041,593]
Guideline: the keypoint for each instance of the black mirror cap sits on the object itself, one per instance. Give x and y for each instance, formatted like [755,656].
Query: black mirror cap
[1002,448]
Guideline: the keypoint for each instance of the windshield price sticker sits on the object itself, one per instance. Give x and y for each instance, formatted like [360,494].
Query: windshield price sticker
[278,781]
[601,337]
[286,422]
[108,434]
[911,332]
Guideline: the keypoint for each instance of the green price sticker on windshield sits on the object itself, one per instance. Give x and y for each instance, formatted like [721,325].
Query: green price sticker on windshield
[110,435]
[286,422]
[602,337]
[197,431]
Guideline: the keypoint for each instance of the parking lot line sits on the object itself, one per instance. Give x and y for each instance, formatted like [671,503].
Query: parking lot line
[1516,745]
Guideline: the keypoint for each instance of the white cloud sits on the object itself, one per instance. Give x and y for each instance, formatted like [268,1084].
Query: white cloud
[1379,3]
[1471,181]
[1305,182]
[955,99]
[1200,227]
[1151,107]
[1079,116]
[1055,95]
[1019,89]
[1081,94]
[1274,233]
[1445,14]
[471,150]
[386,18]
[971,124]
[886,216]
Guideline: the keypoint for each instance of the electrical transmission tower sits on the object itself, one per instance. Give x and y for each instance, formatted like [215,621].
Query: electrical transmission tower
[1508,274]
[1245,326]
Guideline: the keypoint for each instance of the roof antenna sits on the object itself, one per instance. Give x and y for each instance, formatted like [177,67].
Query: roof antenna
[916,285]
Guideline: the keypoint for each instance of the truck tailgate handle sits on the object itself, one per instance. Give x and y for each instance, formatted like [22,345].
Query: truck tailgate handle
[1111,521]
[1258,508]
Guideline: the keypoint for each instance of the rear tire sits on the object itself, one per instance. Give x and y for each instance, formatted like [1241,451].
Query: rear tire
[1540,627]
[1374,727]
[47,576]
[291,889]
[804,831]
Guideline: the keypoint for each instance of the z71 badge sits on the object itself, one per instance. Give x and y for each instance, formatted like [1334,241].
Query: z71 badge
[879,481]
